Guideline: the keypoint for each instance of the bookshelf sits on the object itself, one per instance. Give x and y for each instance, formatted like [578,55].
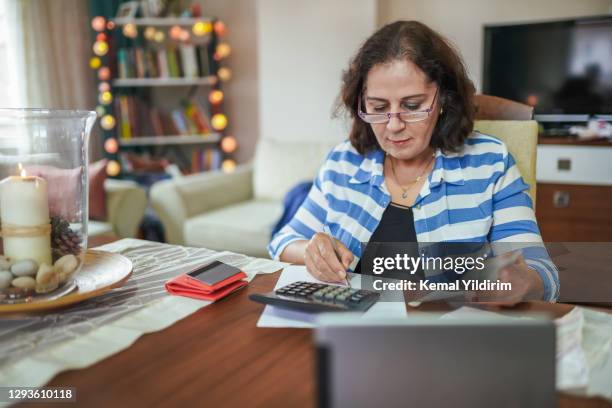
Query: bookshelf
[160,91]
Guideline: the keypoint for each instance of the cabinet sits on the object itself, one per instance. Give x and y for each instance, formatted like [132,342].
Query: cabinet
[574,191]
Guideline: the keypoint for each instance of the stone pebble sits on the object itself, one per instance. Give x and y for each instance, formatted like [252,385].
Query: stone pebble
[46,279]
[24,282]
[5,279]
[25,267]
[65,266]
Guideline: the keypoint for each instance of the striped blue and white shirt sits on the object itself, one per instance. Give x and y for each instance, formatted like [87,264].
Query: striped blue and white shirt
[475,195]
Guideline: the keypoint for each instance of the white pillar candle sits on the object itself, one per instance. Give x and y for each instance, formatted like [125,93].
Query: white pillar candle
[24,203]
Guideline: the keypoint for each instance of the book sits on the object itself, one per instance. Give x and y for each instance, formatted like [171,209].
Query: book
[178,118]
[173,67]
[156,122]
[126,132]
[122,63]
[162,63]
[151,69]
[197,116]
[189,62]
[203,63]
[139,62]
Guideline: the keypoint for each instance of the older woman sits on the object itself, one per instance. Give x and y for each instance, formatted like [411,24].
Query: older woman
[413,169]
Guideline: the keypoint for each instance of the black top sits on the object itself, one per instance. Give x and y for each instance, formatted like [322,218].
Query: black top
[396,225]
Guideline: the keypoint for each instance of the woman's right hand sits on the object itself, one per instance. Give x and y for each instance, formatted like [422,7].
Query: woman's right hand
[326,262]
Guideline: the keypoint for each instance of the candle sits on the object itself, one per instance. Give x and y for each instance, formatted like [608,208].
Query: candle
[24,210]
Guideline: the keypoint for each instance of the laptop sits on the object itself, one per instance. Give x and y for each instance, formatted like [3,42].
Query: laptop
[426,361]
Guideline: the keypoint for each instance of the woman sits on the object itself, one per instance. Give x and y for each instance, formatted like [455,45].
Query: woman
[413,170]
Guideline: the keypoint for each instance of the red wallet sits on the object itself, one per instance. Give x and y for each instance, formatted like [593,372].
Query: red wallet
[209,282]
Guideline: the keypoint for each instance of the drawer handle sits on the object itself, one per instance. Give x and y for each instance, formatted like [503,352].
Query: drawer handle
[564,164]
[561,199]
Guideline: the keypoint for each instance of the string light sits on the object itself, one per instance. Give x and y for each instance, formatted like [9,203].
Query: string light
[95,63]
[107,122]
[215,97]
[175,32]
[159,36]
[111,146]
[101,37]
[98,23]
[184,36]
[149,33]
[113,168]
[224,50]
[104,74]
[228,165]
[201,28]
[219,121]
[110,25]
[105,98]
[225,74]
[104,86]
[220,28]
[100,48]
[229,144]
[100,111]
[130,30]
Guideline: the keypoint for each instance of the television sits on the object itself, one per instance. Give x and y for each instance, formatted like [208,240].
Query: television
[561,68]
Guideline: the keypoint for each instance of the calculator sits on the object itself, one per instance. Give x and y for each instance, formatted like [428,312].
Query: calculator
[318,297]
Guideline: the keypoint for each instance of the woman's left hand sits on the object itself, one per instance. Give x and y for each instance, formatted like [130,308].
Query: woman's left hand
[526,285]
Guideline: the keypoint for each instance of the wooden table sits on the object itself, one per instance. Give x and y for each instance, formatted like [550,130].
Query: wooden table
[217,357]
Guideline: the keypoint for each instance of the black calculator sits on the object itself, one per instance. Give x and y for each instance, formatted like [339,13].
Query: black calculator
[318,297]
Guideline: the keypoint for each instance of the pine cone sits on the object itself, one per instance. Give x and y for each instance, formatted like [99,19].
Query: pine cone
[64,240]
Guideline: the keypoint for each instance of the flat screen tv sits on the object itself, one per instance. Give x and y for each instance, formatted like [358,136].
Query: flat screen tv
[562,68]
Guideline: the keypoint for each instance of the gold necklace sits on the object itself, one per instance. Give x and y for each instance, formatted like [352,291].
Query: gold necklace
[416,180]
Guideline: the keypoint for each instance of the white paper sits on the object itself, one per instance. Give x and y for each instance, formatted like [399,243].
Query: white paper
[279,317]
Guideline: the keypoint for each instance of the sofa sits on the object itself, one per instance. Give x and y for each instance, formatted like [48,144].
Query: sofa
[236,211]
[126,202]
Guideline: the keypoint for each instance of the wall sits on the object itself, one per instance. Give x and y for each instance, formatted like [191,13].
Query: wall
[303,46]
[241,92]
[462,21]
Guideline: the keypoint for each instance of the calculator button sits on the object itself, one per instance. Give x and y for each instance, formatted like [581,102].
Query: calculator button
[341,298]
[318,295]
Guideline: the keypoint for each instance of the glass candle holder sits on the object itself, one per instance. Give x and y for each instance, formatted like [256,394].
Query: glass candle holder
[43,198]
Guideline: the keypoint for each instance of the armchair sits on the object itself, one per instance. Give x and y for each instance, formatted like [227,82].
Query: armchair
[236,211]
[126,202]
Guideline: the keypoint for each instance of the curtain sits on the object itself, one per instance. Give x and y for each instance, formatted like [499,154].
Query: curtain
[54,43]
[53,47]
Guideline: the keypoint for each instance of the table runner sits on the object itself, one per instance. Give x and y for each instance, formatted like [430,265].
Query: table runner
[34,348]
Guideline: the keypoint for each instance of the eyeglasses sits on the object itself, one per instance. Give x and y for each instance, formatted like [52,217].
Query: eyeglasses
[406,117]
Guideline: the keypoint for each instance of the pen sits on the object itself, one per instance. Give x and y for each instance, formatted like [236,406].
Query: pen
[335,245]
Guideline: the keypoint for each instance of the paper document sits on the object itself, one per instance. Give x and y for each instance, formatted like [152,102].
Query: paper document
[279,317]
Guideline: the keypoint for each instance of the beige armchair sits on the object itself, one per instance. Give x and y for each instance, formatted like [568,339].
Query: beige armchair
[236,211]
[521,139]
[126,202]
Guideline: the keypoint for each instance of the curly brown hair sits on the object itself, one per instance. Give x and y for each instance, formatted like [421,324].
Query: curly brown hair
[436,57]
